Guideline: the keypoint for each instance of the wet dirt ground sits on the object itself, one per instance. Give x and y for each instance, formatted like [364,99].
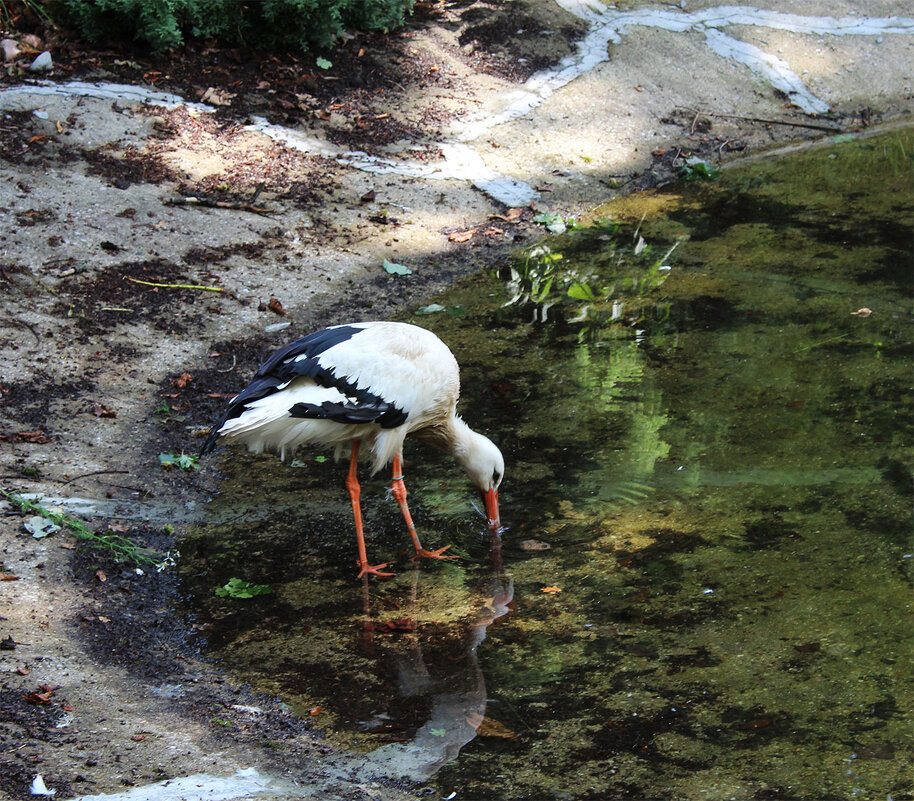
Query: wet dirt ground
[130,315]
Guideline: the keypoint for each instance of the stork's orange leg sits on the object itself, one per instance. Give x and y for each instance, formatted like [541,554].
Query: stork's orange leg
[399,492]
[352,484]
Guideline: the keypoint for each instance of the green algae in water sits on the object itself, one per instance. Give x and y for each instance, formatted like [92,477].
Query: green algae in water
[718,456]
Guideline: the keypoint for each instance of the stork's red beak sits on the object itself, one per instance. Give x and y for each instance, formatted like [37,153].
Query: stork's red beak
[492,518]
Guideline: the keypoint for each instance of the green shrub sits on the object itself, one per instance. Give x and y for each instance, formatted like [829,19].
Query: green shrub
[272,24]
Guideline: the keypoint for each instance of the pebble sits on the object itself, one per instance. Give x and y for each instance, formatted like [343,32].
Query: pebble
[43,63]
[10,49]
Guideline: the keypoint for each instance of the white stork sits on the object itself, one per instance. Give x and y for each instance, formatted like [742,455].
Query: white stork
[364,382]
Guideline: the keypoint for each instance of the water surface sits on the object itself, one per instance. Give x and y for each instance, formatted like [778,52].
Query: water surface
[704,588]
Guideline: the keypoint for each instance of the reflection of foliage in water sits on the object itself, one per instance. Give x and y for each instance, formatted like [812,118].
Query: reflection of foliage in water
[592,277]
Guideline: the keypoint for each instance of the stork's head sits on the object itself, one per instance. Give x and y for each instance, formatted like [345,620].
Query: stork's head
[486,467]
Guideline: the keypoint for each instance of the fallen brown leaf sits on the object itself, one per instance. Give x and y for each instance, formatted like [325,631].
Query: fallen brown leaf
[41,696]
[275,306]
[390,626]
[489,727]
[101,576]
[35,437]
[8,577]
[511,215]
[461,236]
[551,590]
[100,410]
[182,380]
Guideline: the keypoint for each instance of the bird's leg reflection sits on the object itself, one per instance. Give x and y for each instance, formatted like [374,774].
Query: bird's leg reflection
[398,488]
[440,686]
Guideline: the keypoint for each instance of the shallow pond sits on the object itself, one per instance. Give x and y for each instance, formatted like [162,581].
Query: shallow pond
[704,587]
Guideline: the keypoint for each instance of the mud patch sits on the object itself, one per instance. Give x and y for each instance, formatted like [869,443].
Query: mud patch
[125,293]
[30,403]
[510,42]
[36,726]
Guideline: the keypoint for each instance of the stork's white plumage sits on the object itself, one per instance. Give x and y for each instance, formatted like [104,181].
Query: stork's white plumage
[370,383]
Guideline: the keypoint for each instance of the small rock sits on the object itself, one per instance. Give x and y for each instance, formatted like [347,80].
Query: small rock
[43,63]
[534,545]
[10,49]
[31,41]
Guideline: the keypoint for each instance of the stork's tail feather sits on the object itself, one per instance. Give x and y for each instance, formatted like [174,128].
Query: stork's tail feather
[210,445]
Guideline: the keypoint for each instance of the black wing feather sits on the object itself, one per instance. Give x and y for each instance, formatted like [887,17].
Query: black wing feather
[285,364]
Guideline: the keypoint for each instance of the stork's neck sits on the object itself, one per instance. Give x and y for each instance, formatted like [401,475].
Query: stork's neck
[477,454]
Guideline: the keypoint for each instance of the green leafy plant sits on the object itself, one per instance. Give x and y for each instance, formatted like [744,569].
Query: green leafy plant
[239,589]
[121,548]
[183,461]
[8,13]
[697,169]
[269,24]
[396,269]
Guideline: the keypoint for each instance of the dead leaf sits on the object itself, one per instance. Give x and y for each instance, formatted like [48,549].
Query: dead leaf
[315,711]
[182,380]
[42,696]
[489,727]
[23,671]
[8,577]
[511,215]
[551,590]
[390,626]
[101,576]
[138,738]
[276,306]
[368,196]
[218,97]
[864,312]
[461,236]
[35,437]
[100,410]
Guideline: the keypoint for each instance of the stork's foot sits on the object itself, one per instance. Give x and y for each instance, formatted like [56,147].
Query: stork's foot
[432,554]
[375,570]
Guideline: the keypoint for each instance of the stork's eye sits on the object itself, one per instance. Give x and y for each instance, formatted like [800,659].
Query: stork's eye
[496,477]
